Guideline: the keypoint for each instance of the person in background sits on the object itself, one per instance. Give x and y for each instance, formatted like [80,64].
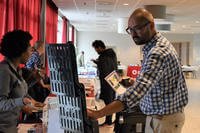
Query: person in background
[106,63]
[34,74]
[15,46]
[34,62]
[81,59]
[160,88]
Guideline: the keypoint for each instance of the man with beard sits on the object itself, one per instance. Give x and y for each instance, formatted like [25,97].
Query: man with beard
[160,88]
[106,63]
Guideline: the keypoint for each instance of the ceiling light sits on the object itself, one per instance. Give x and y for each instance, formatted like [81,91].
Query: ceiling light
[197,22]
[162,21]
[104,3]
[125,4]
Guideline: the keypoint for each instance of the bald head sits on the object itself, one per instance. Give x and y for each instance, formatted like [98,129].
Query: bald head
[141,15]
[141,26]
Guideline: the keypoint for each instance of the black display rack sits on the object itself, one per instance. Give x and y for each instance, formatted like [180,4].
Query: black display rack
[71,94]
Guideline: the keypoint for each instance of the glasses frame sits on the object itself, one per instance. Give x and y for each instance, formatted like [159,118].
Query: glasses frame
[136,28]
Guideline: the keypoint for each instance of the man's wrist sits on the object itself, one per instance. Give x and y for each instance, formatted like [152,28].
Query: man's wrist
[100,113]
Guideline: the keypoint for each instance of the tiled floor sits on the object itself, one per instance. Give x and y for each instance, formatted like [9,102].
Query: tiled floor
[192,110]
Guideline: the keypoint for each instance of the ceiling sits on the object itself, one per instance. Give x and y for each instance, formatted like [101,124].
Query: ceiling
[103,15]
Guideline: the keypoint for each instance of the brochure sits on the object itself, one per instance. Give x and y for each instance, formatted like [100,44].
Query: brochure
[113,80]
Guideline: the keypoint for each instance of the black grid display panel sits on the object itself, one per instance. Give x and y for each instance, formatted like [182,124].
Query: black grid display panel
[60,64]
[70,114]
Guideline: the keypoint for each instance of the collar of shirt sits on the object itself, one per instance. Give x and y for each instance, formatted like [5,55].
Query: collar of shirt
[151,43]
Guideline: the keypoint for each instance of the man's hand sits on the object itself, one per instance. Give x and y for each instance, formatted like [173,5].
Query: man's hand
[93,114]
[127,82]
[131,81]
[109,109]
[95,61]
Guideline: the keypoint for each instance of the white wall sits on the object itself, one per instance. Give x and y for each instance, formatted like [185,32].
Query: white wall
[196,49]
[127,51]
[183,38]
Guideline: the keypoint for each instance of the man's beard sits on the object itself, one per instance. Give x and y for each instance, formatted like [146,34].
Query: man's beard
[139,41]
[99,53]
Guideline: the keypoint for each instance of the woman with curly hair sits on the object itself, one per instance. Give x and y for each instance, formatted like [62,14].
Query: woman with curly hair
[15,46]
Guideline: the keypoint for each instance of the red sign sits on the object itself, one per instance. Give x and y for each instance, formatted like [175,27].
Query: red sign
[133,71]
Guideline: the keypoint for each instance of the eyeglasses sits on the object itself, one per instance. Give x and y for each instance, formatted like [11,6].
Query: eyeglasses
[136,28]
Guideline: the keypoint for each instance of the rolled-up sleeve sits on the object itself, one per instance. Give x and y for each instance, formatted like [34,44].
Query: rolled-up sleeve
[148,77]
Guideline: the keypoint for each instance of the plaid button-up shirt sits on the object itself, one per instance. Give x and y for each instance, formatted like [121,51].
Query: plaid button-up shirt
[160,88]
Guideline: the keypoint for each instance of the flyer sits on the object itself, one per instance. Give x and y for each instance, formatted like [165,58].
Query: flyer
[113,80]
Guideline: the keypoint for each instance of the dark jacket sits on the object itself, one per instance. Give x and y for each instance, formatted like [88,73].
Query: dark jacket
[106,63]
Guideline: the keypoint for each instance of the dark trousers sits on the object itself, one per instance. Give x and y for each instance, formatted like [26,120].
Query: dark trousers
[109,117]
[107,95]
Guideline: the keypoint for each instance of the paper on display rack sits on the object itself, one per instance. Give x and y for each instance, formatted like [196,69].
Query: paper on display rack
[113,80]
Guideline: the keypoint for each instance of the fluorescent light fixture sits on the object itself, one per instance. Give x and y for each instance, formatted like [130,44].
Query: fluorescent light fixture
[125,4]
[162,21]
